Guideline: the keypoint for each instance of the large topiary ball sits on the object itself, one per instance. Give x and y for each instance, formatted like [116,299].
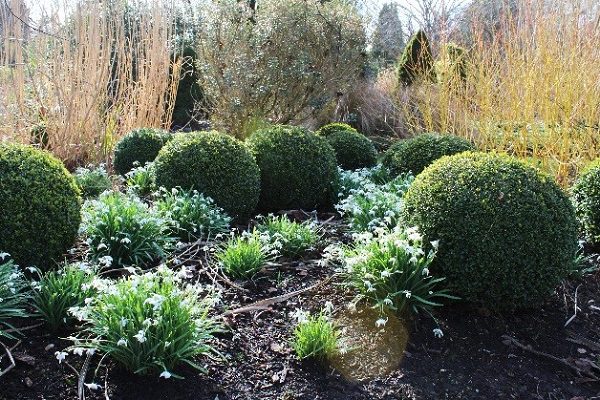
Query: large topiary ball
[352,149]
[298,168]
[507,233]
[214,164]
[414,154]
[586,198]
[41,204]
[138,146]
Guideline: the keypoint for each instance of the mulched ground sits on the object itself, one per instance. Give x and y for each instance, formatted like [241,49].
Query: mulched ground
[477,358]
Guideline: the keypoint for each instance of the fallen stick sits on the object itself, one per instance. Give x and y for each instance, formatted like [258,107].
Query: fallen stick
[563,361]
[10,358]
[264,304]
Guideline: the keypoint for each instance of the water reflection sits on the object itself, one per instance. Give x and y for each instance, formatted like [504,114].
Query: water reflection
[371,351]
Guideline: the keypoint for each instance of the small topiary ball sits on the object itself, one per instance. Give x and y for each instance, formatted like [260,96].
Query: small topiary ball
[41,204]
[507,232]
[414,154]
[214,164]
[298,168]
[352,149]
[138,146]
[586,198]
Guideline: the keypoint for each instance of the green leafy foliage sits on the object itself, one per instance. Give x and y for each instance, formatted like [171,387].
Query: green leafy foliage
[292,239]
[215,165]
[586,199]
[368,205]
[191,216]
[14,294]
[140,180]
[140,145]
[413,155]
[352,149]
[58,291]
[149,323]
[315,336]
[40,211]
[92,180]
[390,270]
[121,230]
[243,256]
[416,61]
[298,168]
[507,232]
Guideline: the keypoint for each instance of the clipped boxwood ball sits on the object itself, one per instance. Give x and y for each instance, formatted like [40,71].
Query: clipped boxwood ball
[414,154]
[298,168]
[586,198]
[353,150]
[216,165]
[41,203]
[141,146]
[507,232]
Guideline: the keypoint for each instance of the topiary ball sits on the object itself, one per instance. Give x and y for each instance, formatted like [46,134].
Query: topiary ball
[507,232]
[298,168]
[41,204]
[352,149]
[586,198]
[414,154]
[138,146]
[214,164]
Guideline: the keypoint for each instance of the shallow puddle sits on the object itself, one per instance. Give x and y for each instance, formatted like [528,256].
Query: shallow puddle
[370,351]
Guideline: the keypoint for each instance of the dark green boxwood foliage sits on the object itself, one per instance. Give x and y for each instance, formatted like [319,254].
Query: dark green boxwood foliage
[586,198]
[352,149]
[138,147]
[189,92]
[414,154]
[507,232]
[41,204]
[298,168]
[416,60]
[216,165]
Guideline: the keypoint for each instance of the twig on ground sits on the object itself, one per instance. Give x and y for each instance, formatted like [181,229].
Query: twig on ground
[8,352]
[509,340]
[576,308]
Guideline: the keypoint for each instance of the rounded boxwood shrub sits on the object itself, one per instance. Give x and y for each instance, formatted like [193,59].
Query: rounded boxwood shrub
[414,154]
[298,168]
[214,164]
[41,204]
[138,147]
[586,198]
[353,150]
[507,233]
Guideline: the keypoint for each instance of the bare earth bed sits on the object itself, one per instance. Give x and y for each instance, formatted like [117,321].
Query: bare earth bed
[478,357]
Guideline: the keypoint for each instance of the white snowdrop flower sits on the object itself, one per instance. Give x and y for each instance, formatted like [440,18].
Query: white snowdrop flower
[88,300]
[388,302]
[33,270]
[165,374]
[328,307]
[124,322]
[122,342]
[386,273]
[3,255]
[435,244]
[413,234]
[126,240]
[102,246]
[155,301]
[90,352]
[438,333]
[105,261]
[92,386]
[381,322]
[300,315]
[140,336]
[407,293]
[78,351]
[60,356]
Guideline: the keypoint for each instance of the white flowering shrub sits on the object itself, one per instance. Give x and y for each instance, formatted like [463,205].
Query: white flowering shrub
[390,270]
[58,291]
[121,230]
[371,205]
[191,215]
[14,294]
[315,336]
[290,238]
[149,323]
[140,179]
[92,180]
[241,257]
